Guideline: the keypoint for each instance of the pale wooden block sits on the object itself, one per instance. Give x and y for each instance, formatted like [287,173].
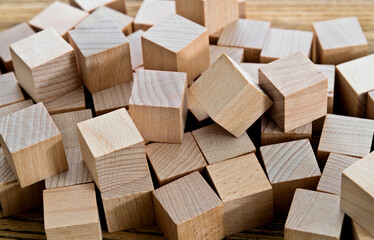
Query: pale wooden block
[129,206]
[218,145]
[9,109]
[173,161]
[354,81]
[331,178]
[236,54]
[72,101]
[32,145]
[158,105]
[359,233]
[10,36]
[59,16]
[195,108]
[136,50]
[314,215]
[242,9]
[339,40]
[113,149]
[152,12]
[45,65]
[247,34]
[91,5]
[297,87]
[245,191]
[10,90]
[202,215]
[179,45]
[103,54]
[289,166]
[252,69]
[61,217]
[213,14]
[370,105]
[230,96]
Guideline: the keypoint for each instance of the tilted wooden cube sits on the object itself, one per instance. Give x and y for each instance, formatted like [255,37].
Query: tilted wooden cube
[230,96]
[10,90]
[152,12]
[72,101]
[298,89]
[196,109]
[136,50]
[89,5]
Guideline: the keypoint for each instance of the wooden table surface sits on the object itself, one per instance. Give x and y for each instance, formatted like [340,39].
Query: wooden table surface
[293,14]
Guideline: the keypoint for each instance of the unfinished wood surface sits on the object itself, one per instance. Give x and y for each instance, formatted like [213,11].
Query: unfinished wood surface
[218,145]
[91,5]
[136,50]
[370,105]
[158,105]
[129,205]
[45,65]
[230,96]
[14,107]
[72,101]
[152,12]
[359,233]
[195,108]
[252,69]
[202,216]
[242,8]
[289,166]
[10,90]
[103,54]
[339,40]
[247,34]
[32,144]
[314,215]
[213,38]
[179,45]
[236,54]
[245,191]
[61,219]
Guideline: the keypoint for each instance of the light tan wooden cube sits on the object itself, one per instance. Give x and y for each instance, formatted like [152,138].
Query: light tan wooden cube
[136,50]
[236,54]
[91,5]
[196,109]
[9,109]
[10,90]
[252,69]
[152,12]
[72,101]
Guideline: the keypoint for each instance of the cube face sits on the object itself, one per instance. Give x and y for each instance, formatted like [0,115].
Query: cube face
[370,105]
[9,109]
[136,50]
[359,233]
[151,13]
[72,101]
[195,108]
[11,92]
[236,54]
[329,72]
[91,5]
[252,69]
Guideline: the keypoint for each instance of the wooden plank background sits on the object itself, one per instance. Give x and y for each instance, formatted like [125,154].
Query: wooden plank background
[293,14]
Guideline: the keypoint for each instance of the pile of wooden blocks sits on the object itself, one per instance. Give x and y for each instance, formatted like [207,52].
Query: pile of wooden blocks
[203,123]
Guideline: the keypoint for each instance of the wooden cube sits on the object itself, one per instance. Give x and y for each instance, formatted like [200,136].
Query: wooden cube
[172,161]
[247,34]
[152,12]
[113,149]
[61,219]
[129,205]
[9,109]
[89,5]
[230,96]
[252,69]
[136,50]
[298,88]
[10,90]
[72,101]
[314,215]
[370,105]
[202,216]
[354,81]
[45,65]
[10,36]
[195,108]
[218,145]
[339,40]
[32,144]
[179,45]
[213,14]
[289,166]
[103,54]
[359,233]
[236,54]
[59,16]
[245,191]
[158,105]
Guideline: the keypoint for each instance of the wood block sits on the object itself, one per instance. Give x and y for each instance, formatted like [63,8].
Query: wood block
[345,135]
[10,90]
[314,215]
[245,191]
[61,219]
[357,193]
[359,233]
[45,65]
[91,5]
[230,96]
[9,109]
[272,134]
[59,16]
[113,149]
[173,161]
[136,50]
[213,38]
[129,206]
[158,105]
[10,36]
[151,13]
[297,87]
[242,9]
[123,21]
[247,34]
[179,45]
[195,108]
[236,54]
[72,101]
[331,178]
[370,105]
[339,40]
[252,69]
[218,145]
[32,144]
[202,215]
[103,54]
[289,166]
[353,82]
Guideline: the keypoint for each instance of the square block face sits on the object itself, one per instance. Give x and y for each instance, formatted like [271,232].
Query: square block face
[172,161]
[298,88]
[152,12]
[245,191]
[252,69]
[218,145]
[10,91]
[90,5]
[72,101]
[236,54]
[136,50]
[307,206]
[9,109]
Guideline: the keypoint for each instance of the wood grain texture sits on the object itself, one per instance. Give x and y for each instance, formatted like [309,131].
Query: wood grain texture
[152,12]
[10,90]
[195,108]
[252,69]
[359,233]
[370,105]
[136,50]
[14,107]
[90,5]
[236,54]
[72,101]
